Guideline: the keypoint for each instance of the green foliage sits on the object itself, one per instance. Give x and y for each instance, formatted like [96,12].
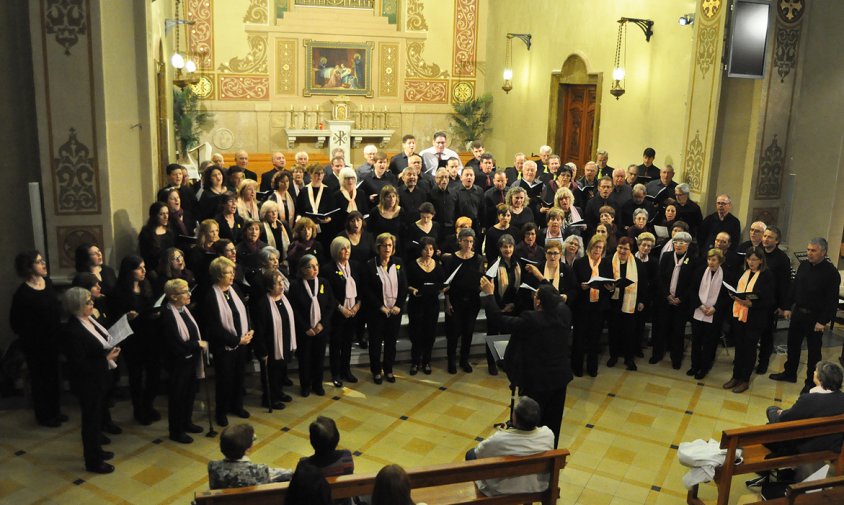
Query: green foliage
[189,119]
[470,120]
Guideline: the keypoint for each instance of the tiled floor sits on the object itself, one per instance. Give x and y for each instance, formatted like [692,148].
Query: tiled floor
[622,429]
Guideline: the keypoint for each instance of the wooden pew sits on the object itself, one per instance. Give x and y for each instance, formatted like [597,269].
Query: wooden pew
[750,440]
[832,493]
[439,484]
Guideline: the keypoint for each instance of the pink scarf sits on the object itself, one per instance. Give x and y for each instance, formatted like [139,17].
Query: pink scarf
[389,285]
[351,286]
[316,312]
[185,334]
[278,329]
[226,317]
[99,334]
[710,286]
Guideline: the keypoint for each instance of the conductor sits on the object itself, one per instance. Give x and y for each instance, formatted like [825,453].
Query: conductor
[538,353]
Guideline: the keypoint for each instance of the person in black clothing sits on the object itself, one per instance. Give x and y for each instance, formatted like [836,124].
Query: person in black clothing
[709,302]
[553,270]
[210,196]
[733,264]
[469,200]
[388,216]
[750,316]
[529,249]
[304,242]
[242,159]
[278,162]
[156,236]
[780,267]
[644,243]
[590,306]
[374,182]
[592,213]
[812,301]
[411,195]
[687,210]
[399,161]
[423,227]
[202,253]
[34,317]
[89,258]
[485,172]
[647,170]
[718,221]
[493,197]
[626,304]
[89,357]
[313,299]
[250,246]
[442,197]
[495,232]
[425,276]
[672,300]
[184,348]
[229,221]
[273,320]
[363,244]
[344,276]
[348,198]
[462,300]
[329,460]
[539,338]
[226,327]
[171,266]
[317,198]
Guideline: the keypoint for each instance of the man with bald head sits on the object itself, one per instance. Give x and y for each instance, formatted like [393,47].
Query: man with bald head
[589,181]
[663,187]
[278,165]
[621,192]
[718,221]
[241,159]
[757,229]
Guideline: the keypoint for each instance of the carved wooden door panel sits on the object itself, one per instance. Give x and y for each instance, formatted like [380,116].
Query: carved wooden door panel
[578,120]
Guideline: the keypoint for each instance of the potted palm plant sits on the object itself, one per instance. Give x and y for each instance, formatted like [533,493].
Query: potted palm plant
[470,119]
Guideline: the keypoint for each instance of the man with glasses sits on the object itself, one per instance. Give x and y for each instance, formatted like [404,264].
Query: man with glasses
[438,154]
[718,221]
[687,210]
[757,228]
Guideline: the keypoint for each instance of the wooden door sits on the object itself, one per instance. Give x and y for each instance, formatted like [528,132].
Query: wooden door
[577,119]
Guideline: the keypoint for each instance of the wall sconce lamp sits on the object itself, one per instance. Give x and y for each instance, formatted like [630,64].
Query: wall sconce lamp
[184,65]
[508,58]
[620,62]
[686,20]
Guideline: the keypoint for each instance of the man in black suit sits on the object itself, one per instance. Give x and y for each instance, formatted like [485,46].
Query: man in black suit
[718,221]
[621,192]
[442,197]
[241,159]
[647,169]
[493,197]
[542,162]
[399,162]
[601,158]
[278,165]
[514,173]
[332,175]
[484,172]
[665,184]
[687,210]
[592,212]
[477,151]
[537,355]
[780,266]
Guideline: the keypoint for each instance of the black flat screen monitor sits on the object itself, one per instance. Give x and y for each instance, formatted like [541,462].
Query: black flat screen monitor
[748,38]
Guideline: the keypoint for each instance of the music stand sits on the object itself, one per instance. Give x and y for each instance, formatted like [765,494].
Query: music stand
[497,345]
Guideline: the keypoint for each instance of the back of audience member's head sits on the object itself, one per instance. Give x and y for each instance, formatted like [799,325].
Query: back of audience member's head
[830,375]
[392,487]
[526,414]
[85,280]
[308,486]
[324,435]
[548,295]
[235,440]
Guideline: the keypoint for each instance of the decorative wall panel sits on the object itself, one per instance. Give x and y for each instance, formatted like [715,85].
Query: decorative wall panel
[70,237]
[285,54]
[201,33]
[256,13]
[768,215]
[415,16]
[465,38]
[67,21]
[388,69]
[244,87]
[427,91]
[463,91]
[75,178]
[255,62]
[416,64]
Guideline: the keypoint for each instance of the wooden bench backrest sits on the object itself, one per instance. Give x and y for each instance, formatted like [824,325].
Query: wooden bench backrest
[348,486]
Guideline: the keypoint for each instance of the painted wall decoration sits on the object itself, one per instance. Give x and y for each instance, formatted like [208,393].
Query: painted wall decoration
[426,91]
[285,53]
[694,162]
[418,67]
[66,20]
[415,16]
[201,33]
[770,171]
[71,237]
[338,68]
[465,38]
[257,12]
[388,63]
[75,177]
[255,62]
[244,87]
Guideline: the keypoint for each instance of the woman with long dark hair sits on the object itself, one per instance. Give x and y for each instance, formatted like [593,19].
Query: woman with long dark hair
[89,258]
[156,236]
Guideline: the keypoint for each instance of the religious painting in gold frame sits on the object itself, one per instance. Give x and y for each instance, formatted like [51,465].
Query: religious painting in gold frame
[338,68]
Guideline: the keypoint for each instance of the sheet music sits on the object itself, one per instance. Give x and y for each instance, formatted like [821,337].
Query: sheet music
[120,330]
[492,271]
[451,277]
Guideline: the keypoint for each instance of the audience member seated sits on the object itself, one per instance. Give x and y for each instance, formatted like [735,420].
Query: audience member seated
[237,470]
[308,487]
[524,438]
[324,439]
[392,487]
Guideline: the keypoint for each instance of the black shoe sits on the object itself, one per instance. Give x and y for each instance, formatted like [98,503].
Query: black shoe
[193,428]
[390,378]
[452,368]
[640,354]
[414,369]
[337,382]
[363,343]
[348,377]
[631,365]
[50,423]
[691,372]
[319,391]
[577,372]
[761,368]
[305,392]
[106,455]
[466,367]
[153,414]
[241,413]
[701,374]
[493,370]
[676,365]
[286,398]
[655,359]
[222,420]
[611,362]
[783,376]
[286,382]
[63,418]
[377,379]
[593,372]
[101,467]
[112,429]
[758,481]
[104,440]
[426,368]
[181,438]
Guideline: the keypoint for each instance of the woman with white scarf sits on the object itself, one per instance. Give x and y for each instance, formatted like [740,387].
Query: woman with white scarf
[274,321]
[184,347]
[626,303]
[274,231]
[709,301]
[313,300]
[750,316]
[348,197]
[90,356]
[344,277]
[226,327]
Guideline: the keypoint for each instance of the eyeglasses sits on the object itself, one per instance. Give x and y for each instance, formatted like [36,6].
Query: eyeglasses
[552,253]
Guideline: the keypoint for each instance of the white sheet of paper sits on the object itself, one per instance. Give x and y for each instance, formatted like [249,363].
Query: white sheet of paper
[500,347]
[527,286]
[119,331]
[492,271]
[451,277]
[661,231]
[158,302]
[729,288]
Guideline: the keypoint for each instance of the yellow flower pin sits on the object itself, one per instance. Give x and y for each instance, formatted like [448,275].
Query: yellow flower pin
[321,289]
[339,273]
[398,267]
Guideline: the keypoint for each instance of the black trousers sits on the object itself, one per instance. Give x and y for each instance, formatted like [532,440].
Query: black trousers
[766,340]
[384,331]
[340,347]
[462,326]
[704,343]
[277,370]
[144,366]
[311,355]
[746,340]
[622,334]
[551,403]
[803,327]
[672,332]
[92,404]
[183,386]
[229,372]
[44,379]
[588,324]
[423,313]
